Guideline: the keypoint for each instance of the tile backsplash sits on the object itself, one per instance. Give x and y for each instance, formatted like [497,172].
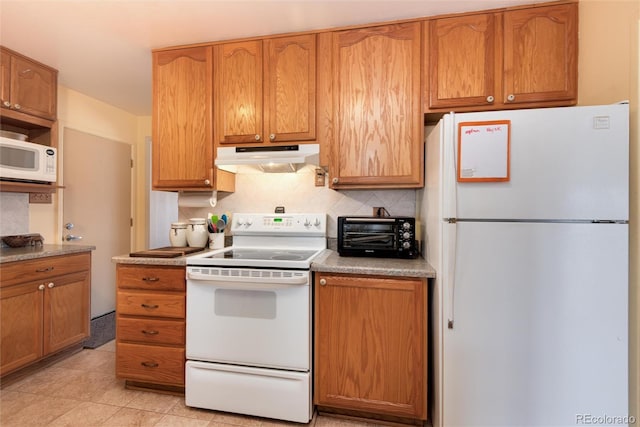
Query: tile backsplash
[262,192]
[14,208]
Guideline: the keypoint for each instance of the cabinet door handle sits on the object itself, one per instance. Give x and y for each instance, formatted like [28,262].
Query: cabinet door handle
[257,137]
[6,104]
[44,270]
[323,282]
[149,305]
[150,279]
[149,332]
[490,99]
[335,180]
[41,287]
[149,364]
[272,137]
[511,98]
[50,285]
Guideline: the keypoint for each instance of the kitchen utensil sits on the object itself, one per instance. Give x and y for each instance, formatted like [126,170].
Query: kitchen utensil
[221,224]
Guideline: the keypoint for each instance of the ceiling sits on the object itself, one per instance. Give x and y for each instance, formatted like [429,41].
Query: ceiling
[102,48]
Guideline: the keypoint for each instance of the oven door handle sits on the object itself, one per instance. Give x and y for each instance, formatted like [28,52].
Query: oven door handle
[256,283]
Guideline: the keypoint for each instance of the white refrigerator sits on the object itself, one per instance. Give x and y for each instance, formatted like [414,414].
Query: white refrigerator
[530,303]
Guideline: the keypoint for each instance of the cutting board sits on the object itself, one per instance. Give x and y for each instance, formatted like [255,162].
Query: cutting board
[166,252]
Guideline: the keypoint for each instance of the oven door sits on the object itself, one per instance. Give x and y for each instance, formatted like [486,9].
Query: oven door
[251,317]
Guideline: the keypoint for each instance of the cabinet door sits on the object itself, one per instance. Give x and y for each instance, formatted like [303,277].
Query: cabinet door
[182,121]
[290,88]
[5,79]
[238,89]
[20,325]
[540,54]
[33,88]
[377,106]
[66,310]
[462,61]
[370,344]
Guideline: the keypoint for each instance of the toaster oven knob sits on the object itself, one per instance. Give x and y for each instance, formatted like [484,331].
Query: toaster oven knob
[406,225]
[406,245]
[406,235]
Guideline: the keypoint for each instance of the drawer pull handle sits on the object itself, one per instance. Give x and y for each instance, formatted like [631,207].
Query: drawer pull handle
[150,332]
[149,364]
[149,305]
[150,279]
[44,270]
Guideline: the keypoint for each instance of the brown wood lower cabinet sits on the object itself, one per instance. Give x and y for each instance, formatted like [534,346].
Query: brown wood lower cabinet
[150,326]
[371,345]
[44,308]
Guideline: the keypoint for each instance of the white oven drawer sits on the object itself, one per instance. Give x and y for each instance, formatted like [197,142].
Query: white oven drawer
[261,392]
[242,324]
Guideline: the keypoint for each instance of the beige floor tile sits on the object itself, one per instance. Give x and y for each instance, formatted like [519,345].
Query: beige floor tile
[326,421]
[41,412]
[46,382]
[176,421]
[12,402]
[155,402]
[133,417]
[115,393]
[237,420]
[110,346]
[182,410]
[86,386]
[91,360]
[85,414]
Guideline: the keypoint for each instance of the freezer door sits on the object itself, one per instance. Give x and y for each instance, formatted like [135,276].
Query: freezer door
[566,163]
[540,324]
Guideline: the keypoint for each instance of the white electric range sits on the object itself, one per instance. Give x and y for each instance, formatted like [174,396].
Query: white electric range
[249,318]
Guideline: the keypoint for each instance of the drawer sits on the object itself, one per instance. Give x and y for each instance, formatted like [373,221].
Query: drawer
[150,363]
[158,278]
[43,268]
[151,331]
[152,304]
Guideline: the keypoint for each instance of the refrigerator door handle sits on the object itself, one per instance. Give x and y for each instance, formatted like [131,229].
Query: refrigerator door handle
[450,239]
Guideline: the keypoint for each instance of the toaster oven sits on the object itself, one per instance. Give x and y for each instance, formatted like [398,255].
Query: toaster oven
[386,237]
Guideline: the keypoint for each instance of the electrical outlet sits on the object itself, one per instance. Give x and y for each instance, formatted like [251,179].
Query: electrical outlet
[39,197]
[378,212]
[319,177]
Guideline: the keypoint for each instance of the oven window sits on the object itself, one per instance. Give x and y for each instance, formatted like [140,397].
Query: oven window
[245,303]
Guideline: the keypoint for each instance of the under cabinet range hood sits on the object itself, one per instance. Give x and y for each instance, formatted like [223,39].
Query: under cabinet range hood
[279,158]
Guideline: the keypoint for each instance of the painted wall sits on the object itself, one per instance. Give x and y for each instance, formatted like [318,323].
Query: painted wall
[608,72]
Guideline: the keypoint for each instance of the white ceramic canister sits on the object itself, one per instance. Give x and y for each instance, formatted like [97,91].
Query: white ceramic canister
[178,234]
[197,234]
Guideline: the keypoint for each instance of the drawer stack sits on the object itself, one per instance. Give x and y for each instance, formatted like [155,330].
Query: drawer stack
[150,326]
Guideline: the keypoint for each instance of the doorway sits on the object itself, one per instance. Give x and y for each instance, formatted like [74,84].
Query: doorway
[97,208]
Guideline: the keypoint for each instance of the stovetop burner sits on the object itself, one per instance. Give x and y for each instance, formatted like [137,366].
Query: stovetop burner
[270,240]
[265,254]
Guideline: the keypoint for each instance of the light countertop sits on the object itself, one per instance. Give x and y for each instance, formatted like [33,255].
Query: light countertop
[40,251]
[328,261]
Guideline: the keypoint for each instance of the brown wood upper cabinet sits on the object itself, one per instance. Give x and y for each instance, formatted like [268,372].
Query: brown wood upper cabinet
[265,90]
[182,121]
[27,86]
[378,119]
[513,59]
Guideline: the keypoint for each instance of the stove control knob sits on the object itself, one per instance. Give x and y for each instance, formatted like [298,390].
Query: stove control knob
[317,222]
[307,223]
[240,221]
[248,223]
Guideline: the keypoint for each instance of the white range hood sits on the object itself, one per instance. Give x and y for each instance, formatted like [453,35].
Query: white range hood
[281,158]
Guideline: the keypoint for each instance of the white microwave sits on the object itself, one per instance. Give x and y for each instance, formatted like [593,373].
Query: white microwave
[25,161]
